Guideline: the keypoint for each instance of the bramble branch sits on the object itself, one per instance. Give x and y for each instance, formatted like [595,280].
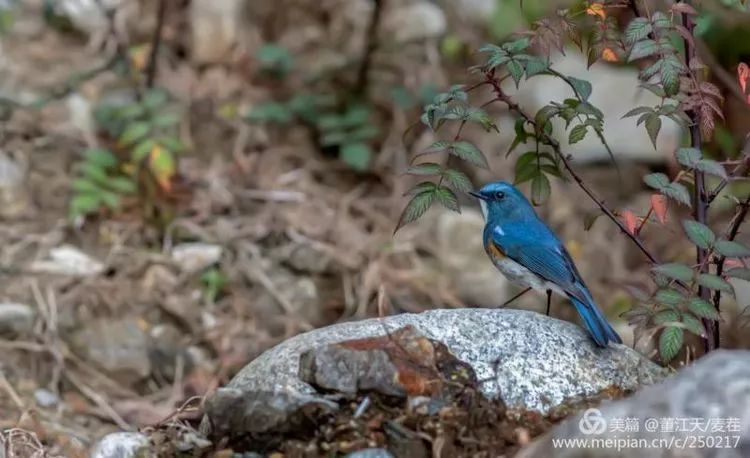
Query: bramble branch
[513,106]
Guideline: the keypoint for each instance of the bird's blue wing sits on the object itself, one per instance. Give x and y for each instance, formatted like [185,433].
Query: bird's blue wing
[543,254]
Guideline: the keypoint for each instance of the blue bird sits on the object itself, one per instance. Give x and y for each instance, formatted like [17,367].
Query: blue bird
[529,254]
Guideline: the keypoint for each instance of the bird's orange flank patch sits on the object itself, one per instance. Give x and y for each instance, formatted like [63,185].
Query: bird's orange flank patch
[495,251]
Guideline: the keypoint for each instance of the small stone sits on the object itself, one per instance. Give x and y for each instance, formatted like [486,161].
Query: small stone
[16,318]
[46,398]
[215,28]
[370,453]
[118,346]
[123,445]
[68,260]
[194,257]
[416,21]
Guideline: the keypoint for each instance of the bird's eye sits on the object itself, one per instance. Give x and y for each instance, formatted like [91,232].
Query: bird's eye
[499,195]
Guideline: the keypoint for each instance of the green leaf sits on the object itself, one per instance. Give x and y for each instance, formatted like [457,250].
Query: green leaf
[698,233]
[517,46]
[122,185]
[356,155]
[100,157]
[82,185]
[420,188]
[540,189]
[83,204]
[577,134]
[711,167]
[703,309]
[582,87]
[141,150]
[653,126]
[133,133]
[638,111]
[732,249]
[526,167]
[270,112]
[417,206]
[666,316]
[154,98]
[426,168]
[171,143]
[166,120]
[516,70]
[678,192]
[469,153]
[638,29]
[110,199]
[480,116]
[715,282]
[693,324]
[458,180]
[94,172]
[670,343]
[689,156]
[536,66]
[739,272]
[675,270]
[447,198]
[643,49]
[656,180]
[671,69]
[669,296]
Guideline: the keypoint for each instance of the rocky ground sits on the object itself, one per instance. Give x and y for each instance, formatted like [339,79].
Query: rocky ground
[110,326]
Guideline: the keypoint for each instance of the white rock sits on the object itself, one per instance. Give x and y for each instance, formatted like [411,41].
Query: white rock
[194,257]
[215,28]
[123,445]
[615,91]
[68,260]
[416,21]
[479,11]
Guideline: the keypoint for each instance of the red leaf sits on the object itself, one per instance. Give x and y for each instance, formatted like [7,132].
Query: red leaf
[730,263]
[631,220]
[659,204]
[743,76]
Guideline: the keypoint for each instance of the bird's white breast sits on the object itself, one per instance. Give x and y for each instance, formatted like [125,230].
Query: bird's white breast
[523,277]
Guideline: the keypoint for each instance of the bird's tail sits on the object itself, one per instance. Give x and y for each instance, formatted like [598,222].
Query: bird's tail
[596,323]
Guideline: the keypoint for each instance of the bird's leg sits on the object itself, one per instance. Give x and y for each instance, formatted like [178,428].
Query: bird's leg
[515,297]
[549,300]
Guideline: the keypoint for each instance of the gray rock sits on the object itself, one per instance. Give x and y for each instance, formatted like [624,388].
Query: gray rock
[123,445]
[529,360]
[16,318]
[194,257]
[461,255]
[118,346]
[715,390]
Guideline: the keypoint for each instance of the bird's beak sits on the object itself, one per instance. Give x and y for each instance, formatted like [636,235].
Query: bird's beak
[477,195]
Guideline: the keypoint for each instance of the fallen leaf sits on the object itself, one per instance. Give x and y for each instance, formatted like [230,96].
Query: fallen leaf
[162,166]
[743,76]
[659,204]
[596,9]
[609,55]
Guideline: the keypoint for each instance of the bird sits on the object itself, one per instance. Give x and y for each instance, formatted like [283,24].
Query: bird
[528,253]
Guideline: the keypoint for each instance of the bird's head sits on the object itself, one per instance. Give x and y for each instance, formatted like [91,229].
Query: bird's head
[501,201]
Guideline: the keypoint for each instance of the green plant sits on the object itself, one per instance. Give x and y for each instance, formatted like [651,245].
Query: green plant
[214,282]
[341,123]
[141,156]
[686,297]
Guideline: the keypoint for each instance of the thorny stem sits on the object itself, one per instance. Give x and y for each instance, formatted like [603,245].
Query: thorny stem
[155,43]
[734,228]
[700,199]
[513,106]
[370,47]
